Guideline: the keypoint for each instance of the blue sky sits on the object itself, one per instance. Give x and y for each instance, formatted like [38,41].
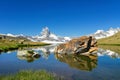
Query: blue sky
[63,17]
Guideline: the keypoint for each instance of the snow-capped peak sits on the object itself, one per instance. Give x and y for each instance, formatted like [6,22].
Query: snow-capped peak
[49,37]
[10,35]
[45,32]
[54,36]
[99,31]
[103,34]
[67,38]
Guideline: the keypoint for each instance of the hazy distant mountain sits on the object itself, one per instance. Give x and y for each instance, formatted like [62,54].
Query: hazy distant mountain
[49,37]
[13,37]
[103,34]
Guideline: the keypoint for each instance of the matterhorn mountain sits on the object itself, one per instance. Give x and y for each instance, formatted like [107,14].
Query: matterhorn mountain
[48,37]
[99,34]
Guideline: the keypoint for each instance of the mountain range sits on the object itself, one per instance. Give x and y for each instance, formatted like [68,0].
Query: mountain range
[48,37]
[99,34]
[45,36]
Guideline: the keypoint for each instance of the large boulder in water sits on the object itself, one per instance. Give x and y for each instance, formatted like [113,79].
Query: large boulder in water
[80,45]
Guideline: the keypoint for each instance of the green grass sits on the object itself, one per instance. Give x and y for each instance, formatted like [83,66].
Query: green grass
[112,40]
[31,75]
[6,45]
[110,44]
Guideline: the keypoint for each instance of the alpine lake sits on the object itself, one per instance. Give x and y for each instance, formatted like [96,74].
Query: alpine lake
[105,65]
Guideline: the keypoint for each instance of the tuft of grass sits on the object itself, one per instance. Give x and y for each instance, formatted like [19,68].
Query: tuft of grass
[31,75]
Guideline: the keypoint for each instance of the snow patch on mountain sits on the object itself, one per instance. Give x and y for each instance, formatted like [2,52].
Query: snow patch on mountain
[67,38]
[51,42]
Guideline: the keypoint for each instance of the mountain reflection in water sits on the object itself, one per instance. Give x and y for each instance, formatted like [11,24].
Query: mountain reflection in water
[81,62]
[112,54]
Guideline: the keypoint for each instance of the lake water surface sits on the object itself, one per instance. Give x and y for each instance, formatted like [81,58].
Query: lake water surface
[105,65]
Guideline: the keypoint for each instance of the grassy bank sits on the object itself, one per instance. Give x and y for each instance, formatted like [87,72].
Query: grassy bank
[6,45]
[31,75]
[110,41]
[109,44]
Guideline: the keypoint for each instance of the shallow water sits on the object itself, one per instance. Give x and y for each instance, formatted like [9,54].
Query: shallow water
[103,66]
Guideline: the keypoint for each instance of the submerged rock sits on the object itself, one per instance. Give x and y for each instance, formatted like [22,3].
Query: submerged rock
[83,44]
[36,55]
[28,55]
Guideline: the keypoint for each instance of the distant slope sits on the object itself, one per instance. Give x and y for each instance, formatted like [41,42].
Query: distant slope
[10,38]
[112,40]
[99,34]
